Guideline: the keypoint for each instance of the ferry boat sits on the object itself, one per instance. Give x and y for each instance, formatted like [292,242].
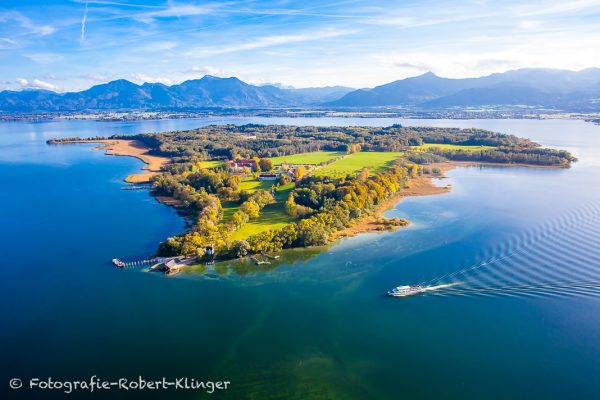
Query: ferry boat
[118,263]
[403,291]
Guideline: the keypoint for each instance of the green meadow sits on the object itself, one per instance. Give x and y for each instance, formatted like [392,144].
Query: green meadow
[253,185]
[272,216]
[312,158]
[376,161]
[211,164]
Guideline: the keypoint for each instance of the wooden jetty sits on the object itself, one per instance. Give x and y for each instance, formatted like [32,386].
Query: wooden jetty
[272,257]
[122,264]
[259,262]
[136,187]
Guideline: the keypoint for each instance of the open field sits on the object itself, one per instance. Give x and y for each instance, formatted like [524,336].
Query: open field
[312,158]
[273,216]
[376,161]
[253,185]
[442,146]
[211,164]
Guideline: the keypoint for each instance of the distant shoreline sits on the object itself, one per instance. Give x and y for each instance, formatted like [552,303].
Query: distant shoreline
[131,148]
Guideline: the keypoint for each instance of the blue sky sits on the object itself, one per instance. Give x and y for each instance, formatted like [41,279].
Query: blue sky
[71,45]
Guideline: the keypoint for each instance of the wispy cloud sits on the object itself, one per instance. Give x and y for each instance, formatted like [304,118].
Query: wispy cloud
[83,21]
[27,24]
[553,7]
[36,84]
[176,10]
[160,46]
[268,41]
[206,70]
[6,43]
[44,58]
[142,78]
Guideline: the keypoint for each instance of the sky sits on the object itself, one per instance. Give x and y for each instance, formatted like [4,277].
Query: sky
[67,45]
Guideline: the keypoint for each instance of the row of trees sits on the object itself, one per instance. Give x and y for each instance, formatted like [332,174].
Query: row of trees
[535,156]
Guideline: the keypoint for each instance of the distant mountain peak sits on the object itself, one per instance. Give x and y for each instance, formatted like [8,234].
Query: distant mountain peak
[568,90]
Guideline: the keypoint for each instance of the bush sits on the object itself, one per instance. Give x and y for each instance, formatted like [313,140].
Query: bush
[240,248]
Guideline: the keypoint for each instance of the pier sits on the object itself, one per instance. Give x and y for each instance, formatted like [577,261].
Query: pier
[122,264]
[257,261]
[136,187]
[267,255]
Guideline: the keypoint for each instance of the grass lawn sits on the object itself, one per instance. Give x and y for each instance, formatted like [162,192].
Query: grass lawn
[211,164]
[426,146]
[253,185]
[312,158]
[376,161]
[272,216]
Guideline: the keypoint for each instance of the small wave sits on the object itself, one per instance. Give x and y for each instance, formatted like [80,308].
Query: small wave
[540,260]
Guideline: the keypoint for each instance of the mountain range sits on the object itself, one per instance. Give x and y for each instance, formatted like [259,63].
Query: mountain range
[542,88]
[534,87]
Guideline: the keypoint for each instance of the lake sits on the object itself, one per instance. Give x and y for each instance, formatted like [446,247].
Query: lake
[523,243]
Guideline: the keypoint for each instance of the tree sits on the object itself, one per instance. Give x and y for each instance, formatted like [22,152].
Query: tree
[238,219]
[251,209]
[265,164]
[256,163]
[262,198]
[299,172]
[240,248]
[353,148]
[283,179]
[363,175]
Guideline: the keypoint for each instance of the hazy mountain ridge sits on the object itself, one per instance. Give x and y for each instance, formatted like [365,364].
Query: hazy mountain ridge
[527,87]
[548,88]
[208,91]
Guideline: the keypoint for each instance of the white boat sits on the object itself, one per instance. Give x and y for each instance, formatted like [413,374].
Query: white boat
[403,291]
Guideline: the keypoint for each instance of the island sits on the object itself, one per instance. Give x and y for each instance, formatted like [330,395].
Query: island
[254,190]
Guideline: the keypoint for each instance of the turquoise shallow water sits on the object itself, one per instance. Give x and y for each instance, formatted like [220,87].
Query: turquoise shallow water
[317,325]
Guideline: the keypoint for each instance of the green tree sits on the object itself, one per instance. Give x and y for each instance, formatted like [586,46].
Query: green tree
[240,248]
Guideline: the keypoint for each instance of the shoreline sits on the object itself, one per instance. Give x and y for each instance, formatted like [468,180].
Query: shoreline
[132,148]
[422,185]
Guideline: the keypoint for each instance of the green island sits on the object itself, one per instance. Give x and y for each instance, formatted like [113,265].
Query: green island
[257,189]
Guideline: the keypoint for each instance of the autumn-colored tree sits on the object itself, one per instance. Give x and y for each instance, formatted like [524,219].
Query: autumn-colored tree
[265,164]
[299,172]
[250,208]
[238,219]
[363,175]
[256,164]
[353,148]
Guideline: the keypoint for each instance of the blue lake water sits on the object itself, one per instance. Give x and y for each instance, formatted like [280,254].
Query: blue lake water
[317,325]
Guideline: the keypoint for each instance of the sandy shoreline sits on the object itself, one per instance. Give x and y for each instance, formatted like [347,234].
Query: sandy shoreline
[420,186]
[132,148]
